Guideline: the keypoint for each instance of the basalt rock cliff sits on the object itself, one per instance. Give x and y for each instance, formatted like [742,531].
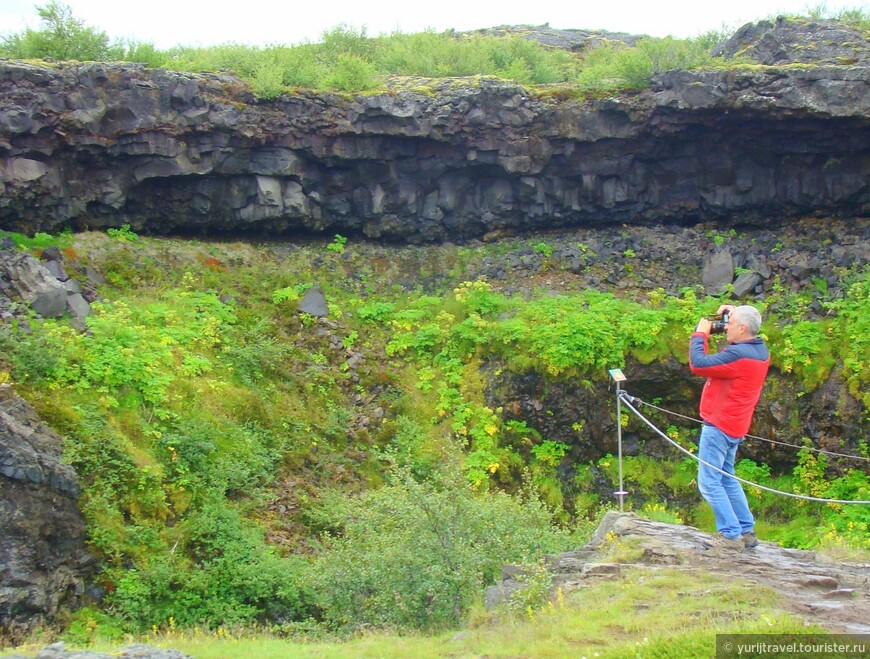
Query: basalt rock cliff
[99,145]
[43,561]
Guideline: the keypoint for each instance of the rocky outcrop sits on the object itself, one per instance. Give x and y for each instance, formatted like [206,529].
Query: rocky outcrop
[46,288]
[99,145]
[43,561]
[570,39]
[831,593]
[798,40]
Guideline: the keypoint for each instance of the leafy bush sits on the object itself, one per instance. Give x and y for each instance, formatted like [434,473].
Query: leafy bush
[207,459]
[804,349]
[853,330]
[617,66]
[222,574]
[124,234]
[415,555]
[62,37]
[268,80]
[253,353]
[129,349]
[352,73]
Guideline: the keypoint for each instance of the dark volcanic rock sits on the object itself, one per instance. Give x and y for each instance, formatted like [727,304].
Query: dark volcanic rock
[807,41]
[99,145]
[43,561]
[47,288]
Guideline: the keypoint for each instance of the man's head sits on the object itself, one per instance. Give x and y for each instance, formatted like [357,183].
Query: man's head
[744,323]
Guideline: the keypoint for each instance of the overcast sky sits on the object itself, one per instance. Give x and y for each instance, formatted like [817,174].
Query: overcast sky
[167,23]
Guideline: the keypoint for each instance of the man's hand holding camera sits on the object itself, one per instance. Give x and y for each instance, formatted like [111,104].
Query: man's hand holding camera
[706,325]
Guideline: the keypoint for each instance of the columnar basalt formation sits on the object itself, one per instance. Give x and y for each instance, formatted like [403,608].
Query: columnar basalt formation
[98,145]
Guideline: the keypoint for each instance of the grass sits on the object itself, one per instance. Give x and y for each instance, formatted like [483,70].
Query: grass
[651,613]
[347,59]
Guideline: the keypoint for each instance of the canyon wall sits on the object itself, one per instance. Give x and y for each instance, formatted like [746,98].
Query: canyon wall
[103,145]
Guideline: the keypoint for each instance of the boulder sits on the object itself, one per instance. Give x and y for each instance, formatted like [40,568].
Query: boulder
[746,283]
[33,283]
[718,271]
[47,287]
[808,583]
[808,41]
[314,302]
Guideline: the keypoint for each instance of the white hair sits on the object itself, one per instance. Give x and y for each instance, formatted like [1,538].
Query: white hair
[749,316]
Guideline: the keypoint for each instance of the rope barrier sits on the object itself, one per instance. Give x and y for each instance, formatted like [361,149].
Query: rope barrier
[626,401]
[762,439]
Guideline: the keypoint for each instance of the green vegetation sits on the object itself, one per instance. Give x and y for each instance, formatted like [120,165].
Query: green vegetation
[413,555]
[854,16]
[337,245]
[659,614]
[617,66]
[346,59]
[237,469]
[62,37]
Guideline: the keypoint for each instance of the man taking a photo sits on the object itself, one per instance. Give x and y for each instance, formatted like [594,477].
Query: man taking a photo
[735,376]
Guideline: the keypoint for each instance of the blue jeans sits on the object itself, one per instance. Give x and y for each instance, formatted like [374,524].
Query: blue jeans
[725,495]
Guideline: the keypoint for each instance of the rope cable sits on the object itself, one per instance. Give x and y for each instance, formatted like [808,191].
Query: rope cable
[628,404]
[763,439]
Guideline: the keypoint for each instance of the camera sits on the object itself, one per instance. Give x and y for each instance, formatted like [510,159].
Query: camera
[719,323]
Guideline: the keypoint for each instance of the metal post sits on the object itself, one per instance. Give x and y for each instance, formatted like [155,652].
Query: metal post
[619,378]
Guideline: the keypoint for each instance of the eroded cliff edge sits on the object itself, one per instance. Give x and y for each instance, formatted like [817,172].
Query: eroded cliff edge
[98,145]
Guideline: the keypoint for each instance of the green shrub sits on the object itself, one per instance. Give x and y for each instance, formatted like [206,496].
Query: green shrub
[338,244]
[88,625]
[221,573]
[804,348]
[124,234]
[144,53]
[617,66]
[345,39]
[267,81]
[352,73]
[62,37]
[415,555]
[253,352]
[299,65]
[852,328]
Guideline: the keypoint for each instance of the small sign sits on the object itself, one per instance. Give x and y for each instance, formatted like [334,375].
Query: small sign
[616,374]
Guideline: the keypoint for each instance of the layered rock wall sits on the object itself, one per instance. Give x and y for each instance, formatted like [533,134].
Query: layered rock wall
[98,145]
[43,560]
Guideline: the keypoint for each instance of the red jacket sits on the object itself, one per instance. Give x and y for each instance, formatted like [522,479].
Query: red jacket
[734,380]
